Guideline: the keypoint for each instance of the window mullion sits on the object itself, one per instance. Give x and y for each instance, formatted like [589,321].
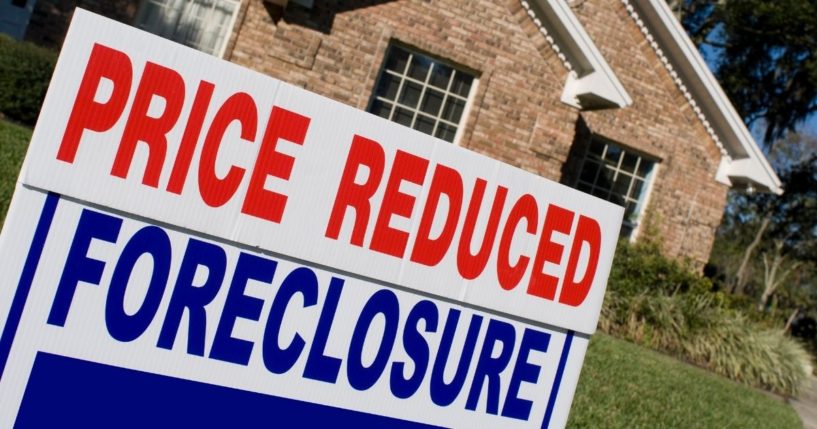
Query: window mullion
[617,170]
[177,22]
[447,91]
[422,94]
[400,86]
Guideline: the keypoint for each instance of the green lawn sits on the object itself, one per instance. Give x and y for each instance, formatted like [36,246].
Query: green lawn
[13,143]
[626,386]
[622,385]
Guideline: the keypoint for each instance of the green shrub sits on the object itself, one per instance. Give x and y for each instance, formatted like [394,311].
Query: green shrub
[746,352]
[25,71]
[693,327]
[660,304]
[13,144]
[641,267]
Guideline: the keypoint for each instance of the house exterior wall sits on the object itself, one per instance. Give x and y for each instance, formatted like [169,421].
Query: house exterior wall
[686,203]
[336,49]
[50,19]
[339,55]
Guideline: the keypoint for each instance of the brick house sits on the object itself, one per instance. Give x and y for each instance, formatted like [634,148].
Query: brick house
[608,96]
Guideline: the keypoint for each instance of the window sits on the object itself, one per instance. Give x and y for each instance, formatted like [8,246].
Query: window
[201,24]
[617,175]
[422,93]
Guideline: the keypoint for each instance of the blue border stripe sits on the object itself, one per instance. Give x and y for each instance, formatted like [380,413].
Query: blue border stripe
[27,278]
[557,382]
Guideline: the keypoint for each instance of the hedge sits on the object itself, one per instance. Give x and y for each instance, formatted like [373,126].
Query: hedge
[659,303]
[25,71]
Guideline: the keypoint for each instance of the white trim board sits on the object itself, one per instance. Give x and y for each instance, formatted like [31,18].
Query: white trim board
[591,83]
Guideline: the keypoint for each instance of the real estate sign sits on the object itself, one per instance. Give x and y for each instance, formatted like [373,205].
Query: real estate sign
[194,243]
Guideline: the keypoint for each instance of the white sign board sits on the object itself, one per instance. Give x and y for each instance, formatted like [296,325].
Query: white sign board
[192,243]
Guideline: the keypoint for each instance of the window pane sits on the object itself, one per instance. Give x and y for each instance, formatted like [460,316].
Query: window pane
[201,24]
[198,9]
[644,168]
[585,187]
[403,116]
[419,67]
[589,172]
[446,132]
[638,186]
[626,229]
[629,161]
[158,19]
[388,86]
[616,199]
[381,108]
[431,102]
[596,149]
[613,154]
[629,212]
[453,109]
[622,185]
[424,124]
[461,84]
[601,193]
[411,94]
[440,75]
[605,179]
[397,60]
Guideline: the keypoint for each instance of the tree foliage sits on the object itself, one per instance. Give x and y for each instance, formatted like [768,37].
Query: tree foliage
[780,272]
[764,53]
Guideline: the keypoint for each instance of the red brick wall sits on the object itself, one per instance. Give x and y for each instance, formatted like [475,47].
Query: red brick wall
[338,54]
[686,202]
[336,49]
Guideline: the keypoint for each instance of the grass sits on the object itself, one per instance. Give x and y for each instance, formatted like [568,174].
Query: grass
[13,144]
[626,386]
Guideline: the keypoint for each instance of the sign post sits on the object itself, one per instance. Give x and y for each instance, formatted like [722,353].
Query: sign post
[191,242]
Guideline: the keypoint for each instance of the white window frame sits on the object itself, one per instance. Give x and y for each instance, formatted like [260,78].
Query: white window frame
[228,28]
[639,222]
[468,100]
[642,200]
[469,104]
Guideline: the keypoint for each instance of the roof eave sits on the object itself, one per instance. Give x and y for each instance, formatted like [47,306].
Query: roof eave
[591,83]
[745,163]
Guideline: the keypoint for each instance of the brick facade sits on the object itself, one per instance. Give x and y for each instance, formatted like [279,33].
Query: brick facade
[50,18]
[686,203]
[336,49]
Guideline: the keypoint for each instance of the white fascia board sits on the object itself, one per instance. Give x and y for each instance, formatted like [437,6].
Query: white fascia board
[747,162]
[747,172]
[591,83]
